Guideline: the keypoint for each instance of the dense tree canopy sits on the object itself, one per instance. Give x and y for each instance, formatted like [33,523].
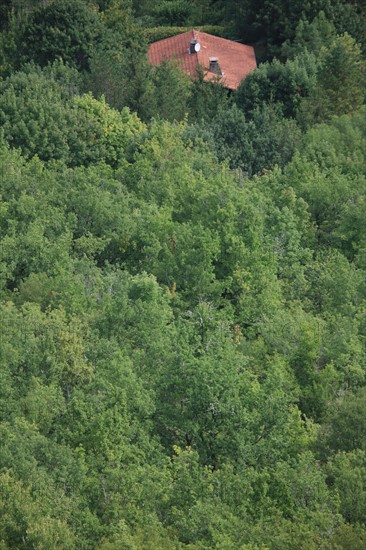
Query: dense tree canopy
[65,30]
[182,282]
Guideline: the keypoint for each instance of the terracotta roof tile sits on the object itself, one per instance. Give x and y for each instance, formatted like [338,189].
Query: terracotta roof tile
[235,60]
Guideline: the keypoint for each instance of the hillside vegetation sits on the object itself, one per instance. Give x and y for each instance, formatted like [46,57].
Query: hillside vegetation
[182,280]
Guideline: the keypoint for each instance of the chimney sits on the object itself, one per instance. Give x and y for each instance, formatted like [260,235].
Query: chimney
[192,45]
[214,65]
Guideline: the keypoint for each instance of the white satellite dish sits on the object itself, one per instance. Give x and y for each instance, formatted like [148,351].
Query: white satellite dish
[197,47]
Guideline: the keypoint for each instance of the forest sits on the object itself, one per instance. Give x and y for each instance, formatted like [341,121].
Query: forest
[182,279]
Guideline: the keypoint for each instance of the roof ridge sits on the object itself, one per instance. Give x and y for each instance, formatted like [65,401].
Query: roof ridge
[236,60]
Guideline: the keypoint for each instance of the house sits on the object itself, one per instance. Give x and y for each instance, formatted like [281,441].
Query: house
[229,60]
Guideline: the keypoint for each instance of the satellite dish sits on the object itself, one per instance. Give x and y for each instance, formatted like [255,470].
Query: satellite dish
[197,47]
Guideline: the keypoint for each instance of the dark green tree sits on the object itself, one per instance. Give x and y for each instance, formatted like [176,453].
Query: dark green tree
[67,30]
[284,84]
[254,144]
[341,82]
[311,36]
[41,114]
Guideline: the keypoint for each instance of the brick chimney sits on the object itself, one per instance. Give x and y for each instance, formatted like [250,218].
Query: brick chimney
[214,65]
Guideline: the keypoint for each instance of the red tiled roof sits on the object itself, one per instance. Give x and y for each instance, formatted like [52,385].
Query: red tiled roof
[235,60]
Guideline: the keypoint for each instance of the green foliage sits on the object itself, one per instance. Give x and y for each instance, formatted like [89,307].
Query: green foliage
[206,98]
[170,402]
[116,131]
[40,114]
[330,176]
[262,142]
[9,47]
[33,114]
[120,77]
[348,536]
[24,522]
[347,474]
[275,21]
[310,36]
[65,30]
[347,17]
[285,85]
[345,423]
[154,34]
[172,12]
[182,322]
[341,82]
[168,93]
